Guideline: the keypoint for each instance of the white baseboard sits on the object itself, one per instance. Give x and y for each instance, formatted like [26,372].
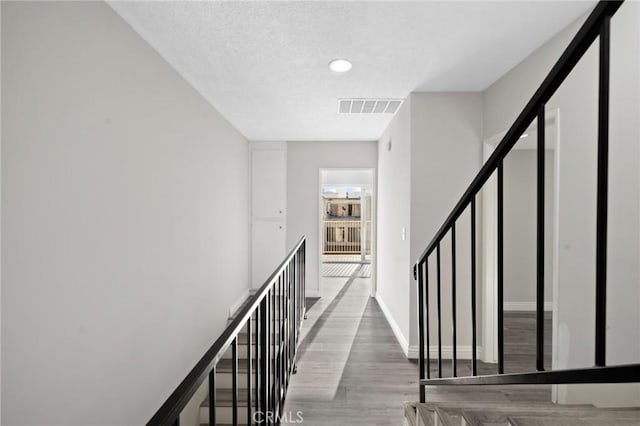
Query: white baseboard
[236,305]
[463,352]
[526,306]
[394,326]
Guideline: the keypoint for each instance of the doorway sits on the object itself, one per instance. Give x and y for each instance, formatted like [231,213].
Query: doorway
[346,224]
[519,230]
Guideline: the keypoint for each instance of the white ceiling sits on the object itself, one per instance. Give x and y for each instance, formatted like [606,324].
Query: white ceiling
[263,65]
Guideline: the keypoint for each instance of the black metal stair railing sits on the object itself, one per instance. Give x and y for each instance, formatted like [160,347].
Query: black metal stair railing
[597,26]
[276,311]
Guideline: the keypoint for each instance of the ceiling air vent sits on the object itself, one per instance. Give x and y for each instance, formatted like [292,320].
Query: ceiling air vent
[368,106]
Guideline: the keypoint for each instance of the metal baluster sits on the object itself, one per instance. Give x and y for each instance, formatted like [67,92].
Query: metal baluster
[249,370]
[285,318]
[304,279]
[280,336]
[274,354]
[288,323]
[421,330]
[439,312]
[270,352]
[257,371]
[426,307]
[500,269]
[234,383]
[285,335]
[474,361]
[264,368]
[277,344]
[540,244]
[602,197]
[294,311]
[453,300]
[176,422]
[212,397]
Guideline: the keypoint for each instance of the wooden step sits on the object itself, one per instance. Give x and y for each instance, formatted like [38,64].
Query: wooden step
[410,414]
[503,413]
[425,415]
[224,424]
[453,413]
[444,417]
[242,352]
[253,317]
[224,373]
[537,420]
[224,398]
[242,337]
[226,366]
[224,415]
[225,380]
[224,407]
[493,416]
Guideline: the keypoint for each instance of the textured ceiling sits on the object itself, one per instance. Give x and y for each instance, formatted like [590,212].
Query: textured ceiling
[263,65]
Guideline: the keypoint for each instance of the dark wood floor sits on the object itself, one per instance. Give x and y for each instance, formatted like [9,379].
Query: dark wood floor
[351,369]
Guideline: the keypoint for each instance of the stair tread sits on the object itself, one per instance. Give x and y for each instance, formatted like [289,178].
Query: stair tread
[495,404]
[496,414]
[225,365]
[222,424]
[499,413]
[447,418]
[242,337]
[570,421]
[425,415]
[224,398]
[410,413]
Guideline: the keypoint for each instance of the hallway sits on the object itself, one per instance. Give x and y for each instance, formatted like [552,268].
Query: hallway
[351,369]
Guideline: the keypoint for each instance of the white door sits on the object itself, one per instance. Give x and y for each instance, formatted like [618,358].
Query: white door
[269,183]
[268,205]
[267,249]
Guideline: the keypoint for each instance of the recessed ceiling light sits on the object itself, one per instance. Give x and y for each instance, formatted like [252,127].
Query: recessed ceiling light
[340,65]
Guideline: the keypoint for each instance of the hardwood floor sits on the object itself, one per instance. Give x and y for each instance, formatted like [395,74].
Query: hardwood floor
[346,270]
[351,369]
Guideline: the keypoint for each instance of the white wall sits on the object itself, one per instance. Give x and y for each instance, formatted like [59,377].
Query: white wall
[125,219]
[446,154]
[394,214]
[436,151]
[577,104]
[349,177]
[304,161]
[520,225]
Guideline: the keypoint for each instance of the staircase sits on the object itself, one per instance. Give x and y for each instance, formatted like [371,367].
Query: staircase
[224,381]
[247,369]
[484,394]
[525,405]
[224,390]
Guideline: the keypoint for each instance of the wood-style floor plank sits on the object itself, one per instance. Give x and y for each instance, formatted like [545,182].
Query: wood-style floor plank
[351,369]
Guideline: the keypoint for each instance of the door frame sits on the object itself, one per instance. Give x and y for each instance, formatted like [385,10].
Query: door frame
[374,221]
[489,244]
